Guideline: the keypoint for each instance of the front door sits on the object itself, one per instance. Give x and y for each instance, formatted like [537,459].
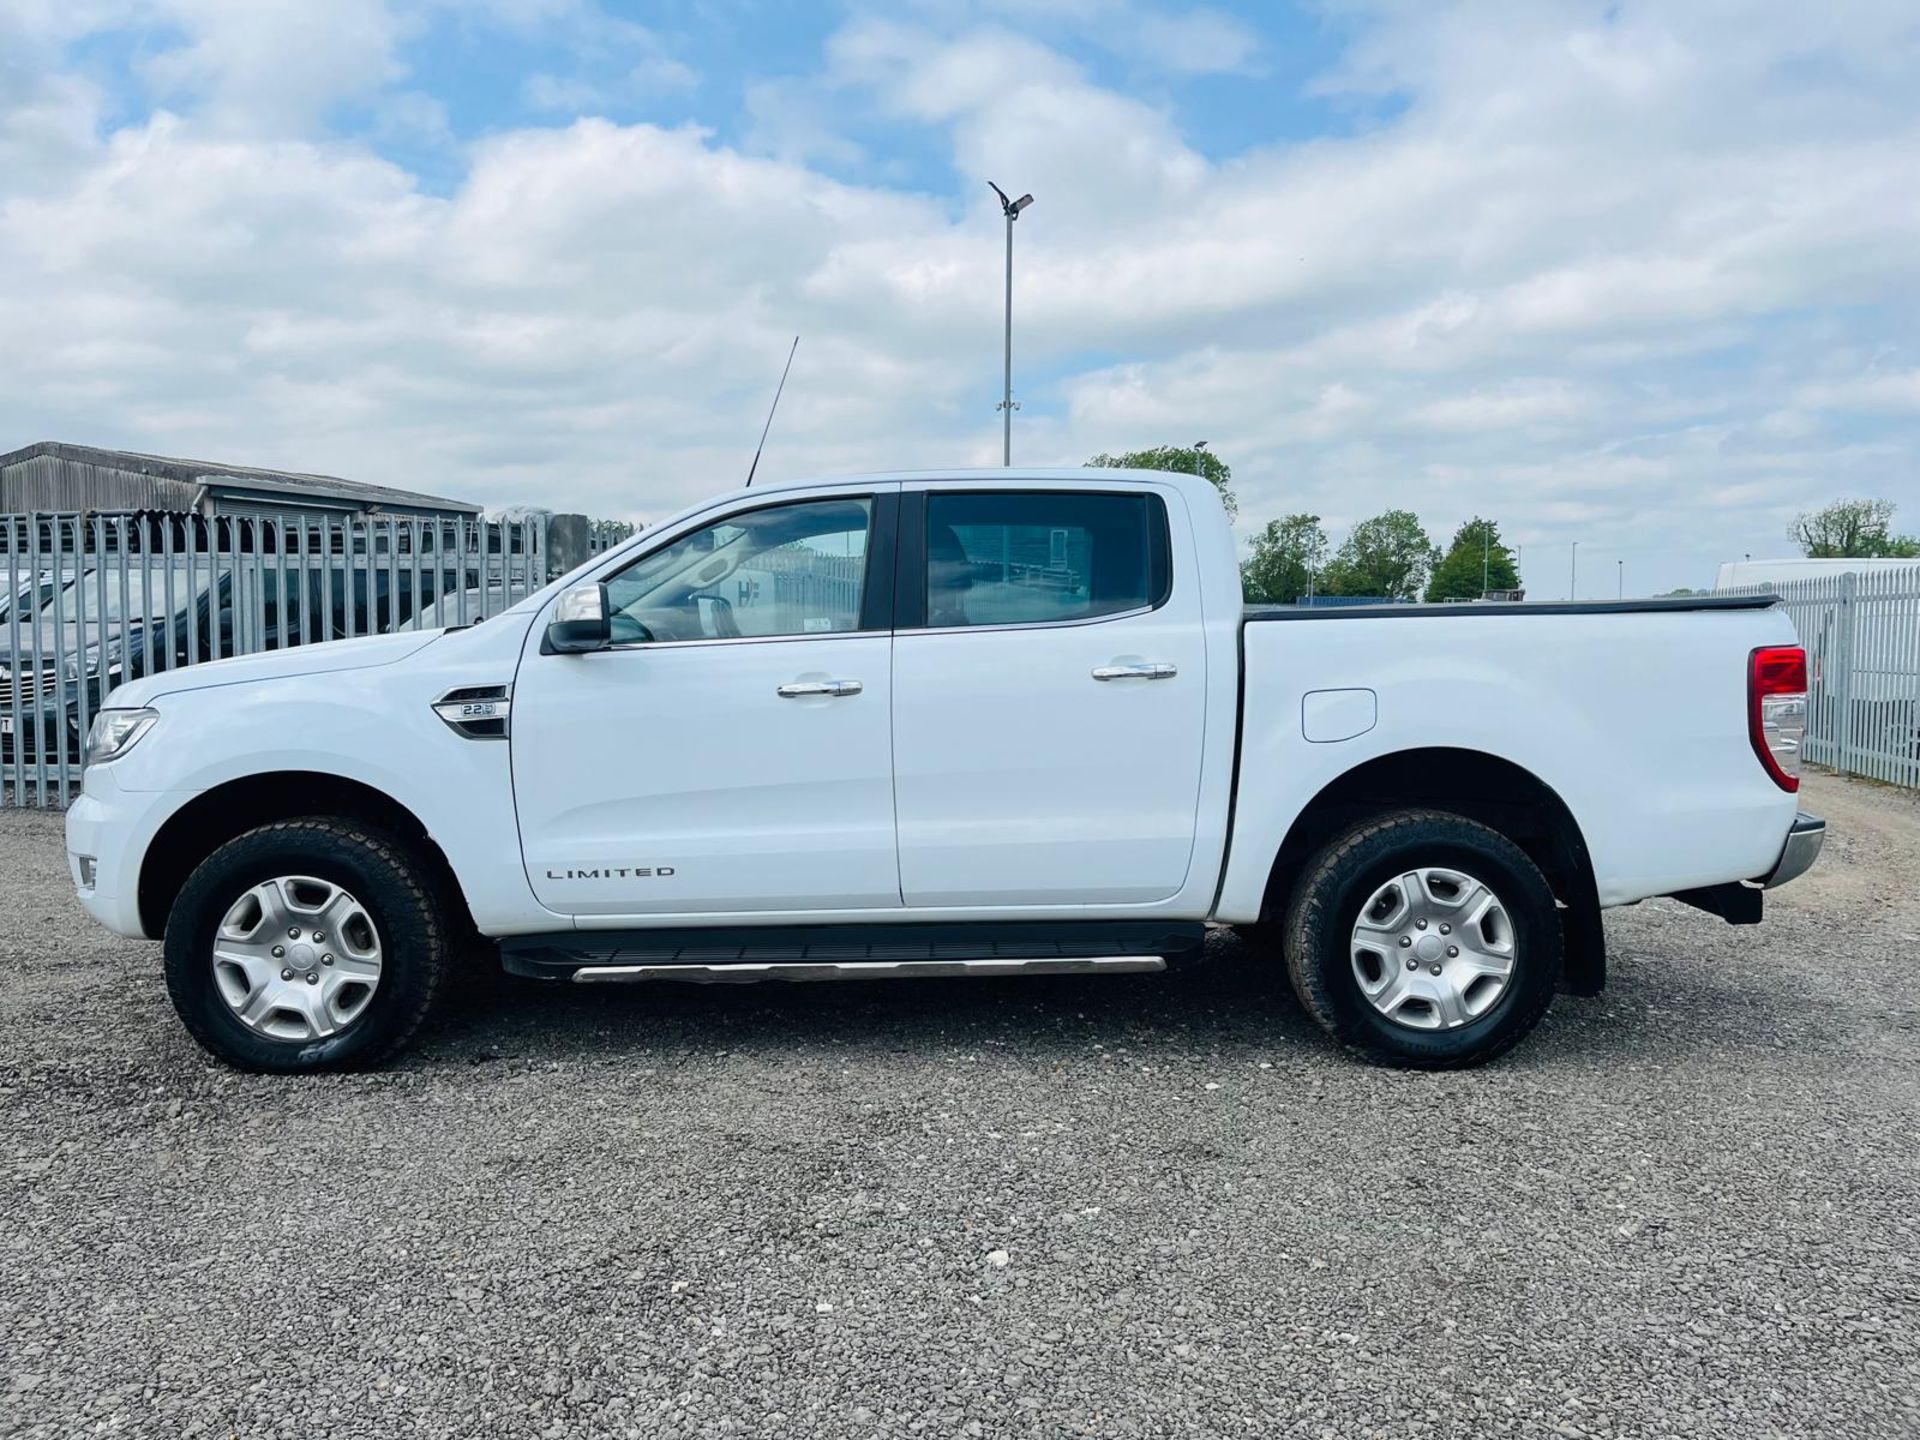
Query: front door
[730,751]
[1049,700]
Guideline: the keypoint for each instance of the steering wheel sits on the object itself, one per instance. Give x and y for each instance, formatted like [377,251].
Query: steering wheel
[725,626]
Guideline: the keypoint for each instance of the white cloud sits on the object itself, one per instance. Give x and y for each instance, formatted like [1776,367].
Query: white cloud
[649,78]
[543,91]
[253,68]
[1641,276]
[413,117]
[1536,404]
[792,120]
[1895,392]
[1150,37]
[617,62]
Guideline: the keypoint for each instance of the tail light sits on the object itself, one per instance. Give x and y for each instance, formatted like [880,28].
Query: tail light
[1777,710]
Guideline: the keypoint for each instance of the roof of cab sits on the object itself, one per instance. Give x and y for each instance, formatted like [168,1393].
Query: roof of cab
[1092,477]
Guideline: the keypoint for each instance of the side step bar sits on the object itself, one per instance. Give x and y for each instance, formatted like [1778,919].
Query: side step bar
[747,972]
[740,953]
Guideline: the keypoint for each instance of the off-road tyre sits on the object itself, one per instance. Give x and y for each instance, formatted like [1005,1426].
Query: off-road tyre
[382,872]
[1317,936]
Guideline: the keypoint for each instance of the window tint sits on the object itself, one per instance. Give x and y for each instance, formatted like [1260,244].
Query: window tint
[1012,559]
[786,570]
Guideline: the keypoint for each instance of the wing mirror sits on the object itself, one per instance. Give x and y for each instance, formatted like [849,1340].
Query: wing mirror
[581,621]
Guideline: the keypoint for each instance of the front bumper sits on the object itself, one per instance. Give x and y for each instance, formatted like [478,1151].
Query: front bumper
[114,829]
[1804,840]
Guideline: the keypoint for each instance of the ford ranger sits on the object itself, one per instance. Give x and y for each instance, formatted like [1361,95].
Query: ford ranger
[957,723]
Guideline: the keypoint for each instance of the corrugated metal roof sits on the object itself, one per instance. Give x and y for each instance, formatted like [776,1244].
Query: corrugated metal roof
[238,479]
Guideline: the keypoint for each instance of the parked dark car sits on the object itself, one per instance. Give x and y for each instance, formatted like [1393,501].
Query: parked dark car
[56,668]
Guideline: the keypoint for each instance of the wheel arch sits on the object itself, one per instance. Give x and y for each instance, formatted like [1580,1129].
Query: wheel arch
[213,817]
[1496,792]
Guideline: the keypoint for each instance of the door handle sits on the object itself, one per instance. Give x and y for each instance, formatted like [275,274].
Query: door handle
[799,688]
[1152,670]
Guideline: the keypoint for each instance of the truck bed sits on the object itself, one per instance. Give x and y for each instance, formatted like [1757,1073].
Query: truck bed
[1633,713]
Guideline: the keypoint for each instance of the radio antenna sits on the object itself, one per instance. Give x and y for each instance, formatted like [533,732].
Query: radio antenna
[770,409]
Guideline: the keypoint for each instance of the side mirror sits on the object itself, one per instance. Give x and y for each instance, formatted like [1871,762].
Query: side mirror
[581,621]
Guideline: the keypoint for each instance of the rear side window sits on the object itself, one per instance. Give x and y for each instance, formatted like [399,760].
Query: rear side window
[1021,558]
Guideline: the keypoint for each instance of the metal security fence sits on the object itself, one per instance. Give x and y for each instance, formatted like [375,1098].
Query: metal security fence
[804,582]
[1862,636]
[93,600]
[603,535]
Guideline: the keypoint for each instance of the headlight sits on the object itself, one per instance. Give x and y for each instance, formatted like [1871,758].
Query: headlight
[85,663]
[114,732]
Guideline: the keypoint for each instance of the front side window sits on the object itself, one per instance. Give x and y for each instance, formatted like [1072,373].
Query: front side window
[1010,558]
[787,570]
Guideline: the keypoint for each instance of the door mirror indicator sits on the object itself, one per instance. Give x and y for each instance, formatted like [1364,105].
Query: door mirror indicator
[581,621]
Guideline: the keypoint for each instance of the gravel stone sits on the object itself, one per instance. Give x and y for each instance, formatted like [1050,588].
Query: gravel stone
[1688,1208]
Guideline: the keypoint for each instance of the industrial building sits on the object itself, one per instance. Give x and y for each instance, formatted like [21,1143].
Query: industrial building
[50,477]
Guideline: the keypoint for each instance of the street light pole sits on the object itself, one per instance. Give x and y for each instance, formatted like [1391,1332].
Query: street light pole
[1573,571]
[1199,451]
[1620,588]
[1011,209]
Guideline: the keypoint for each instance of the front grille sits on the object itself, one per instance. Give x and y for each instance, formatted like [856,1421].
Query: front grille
[28,686]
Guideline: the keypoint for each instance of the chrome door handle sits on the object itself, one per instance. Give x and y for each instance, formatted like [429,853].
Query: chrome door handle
[1150,671]
[799,688]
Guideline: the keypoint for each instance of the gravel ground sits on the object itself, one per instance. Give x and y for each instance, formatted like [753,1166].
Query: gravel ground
[1155,1205]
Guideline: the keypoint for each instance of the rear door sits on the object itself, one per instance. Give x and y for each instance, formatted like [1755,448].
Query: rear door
[1050,684]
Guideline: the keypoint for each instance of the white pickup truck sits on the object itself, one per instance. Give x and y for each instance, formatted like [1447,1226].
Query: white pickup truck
[956,723]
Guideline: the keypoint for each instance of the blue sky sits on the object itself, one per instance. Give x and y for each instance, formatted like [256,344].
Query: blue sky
[1640,275]
[702,62]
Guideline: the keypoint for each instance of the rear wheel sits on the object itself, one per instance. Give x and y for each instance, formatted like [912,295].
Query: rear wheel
[308,944]
[1424,939]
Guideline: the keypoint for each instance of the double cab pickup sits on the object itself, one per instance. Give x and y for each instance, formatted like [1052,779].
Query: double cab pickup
[943,724]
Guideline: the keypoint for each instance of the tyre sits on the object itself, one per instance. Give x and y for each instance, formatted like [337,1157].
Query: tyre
[312,944]
[1424,940]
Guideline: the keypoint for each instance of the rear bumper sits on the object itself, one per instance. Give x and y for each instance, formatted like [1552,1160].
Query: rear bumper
[1739,902]
[1804,840]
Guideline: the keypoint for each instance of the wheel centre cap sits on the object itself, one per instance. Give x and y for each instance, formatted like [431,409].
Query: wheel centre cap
[300,957]
[1429,947]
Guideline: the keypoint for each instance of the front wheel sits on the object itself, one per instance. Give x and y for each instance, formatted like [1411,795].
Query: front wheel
[311,944]
[1423,939]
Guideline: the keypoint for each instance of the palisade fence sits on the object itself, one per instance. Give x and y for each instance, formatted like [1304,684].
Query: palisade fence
[93,600]
[1862,637]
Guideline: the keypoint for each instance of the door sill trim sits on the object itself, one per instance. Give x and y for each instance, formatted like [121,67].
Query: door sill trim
[748,972]
[832,950]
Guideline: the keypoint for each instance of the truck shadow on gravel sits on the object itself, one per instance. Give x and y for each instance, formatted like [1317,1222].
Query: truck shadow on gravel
[1233,1002]
[1226,998]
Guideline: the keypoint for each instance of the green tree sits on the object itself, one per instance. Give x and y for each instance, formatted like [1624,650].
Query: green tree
[1187,459]
[1287,557]
[1475,563]
[1388,555]
[1852,530]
